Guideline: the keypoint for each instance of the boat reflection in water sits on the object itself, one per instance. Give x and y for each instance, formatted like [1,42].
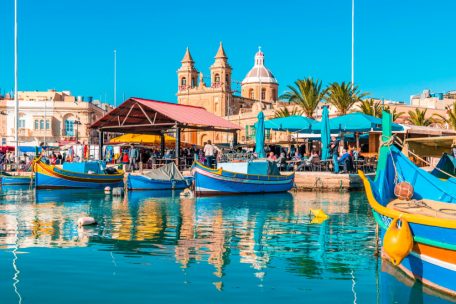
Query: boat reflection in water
[226,244]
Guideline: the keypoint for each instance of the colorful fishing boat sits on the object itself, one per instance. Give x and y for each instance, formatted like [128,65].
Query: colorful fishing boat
[248,177]
[6,180]
[424,244]
[76,175]
[166,177]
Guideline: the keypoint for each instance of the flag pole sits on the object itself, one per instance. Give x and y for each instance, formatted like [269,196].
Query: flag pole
[16,98]
[115,78]
[353,46]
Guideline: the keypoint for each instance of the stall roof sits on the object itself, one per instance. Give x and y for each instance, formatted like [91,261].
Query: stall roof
[146,116]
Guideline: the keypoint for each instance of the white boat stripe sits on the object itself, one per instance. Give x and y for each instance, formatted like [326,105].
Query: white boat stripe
[435,261]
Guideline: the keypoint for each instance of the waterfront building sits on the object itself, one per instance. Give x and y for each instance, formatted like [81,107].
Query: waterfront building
[49,117]
[428,100]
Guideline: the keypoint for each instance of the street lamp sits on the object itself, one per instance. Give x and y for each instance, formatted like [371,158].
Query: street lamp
[77,123]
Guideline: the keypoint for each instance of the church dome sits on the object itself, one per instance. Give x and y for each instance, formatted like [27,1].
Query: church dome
[259,73]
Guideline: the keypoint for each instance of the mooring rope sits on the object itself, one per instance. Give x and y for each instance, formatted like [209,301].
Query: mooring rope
[396,140]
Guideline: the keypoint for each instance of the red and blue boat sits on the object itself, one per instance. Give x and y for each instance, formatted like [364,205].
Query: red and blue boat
[92,175]
[253,178]
[416,213]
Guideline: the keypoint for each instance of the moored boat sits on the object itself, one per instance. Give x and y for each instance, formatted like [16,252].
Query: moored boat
[15,180]
[166,177]
[253,179]
[76,175]
[424,245]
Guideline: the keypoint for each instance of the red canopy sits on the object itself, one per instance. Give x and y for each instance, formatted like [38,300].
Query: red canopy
[5,149]
[145,116]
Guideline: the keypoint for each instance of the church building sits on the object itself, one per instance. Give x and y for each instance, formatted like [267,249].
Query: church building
[259,91]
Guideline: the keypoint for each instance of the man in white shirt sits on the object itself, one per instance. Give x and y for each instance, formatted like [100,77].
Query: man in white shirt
[209,153]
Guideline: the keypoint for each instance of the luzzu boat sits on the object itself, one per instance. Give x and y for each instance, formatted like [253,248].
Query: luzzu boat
[424,245]
[236,178]
[166,177]
[76,175]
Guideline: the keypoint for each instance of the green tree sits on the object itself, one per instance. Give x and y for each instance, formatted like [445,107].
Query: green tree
[370,107]
[418,118]
[343,96]
[307,94]
[451,119]
[284,112]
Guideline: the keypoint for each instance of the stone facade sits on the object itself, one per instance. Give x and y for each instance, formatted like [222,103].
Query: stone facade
[218,96]
[50,117]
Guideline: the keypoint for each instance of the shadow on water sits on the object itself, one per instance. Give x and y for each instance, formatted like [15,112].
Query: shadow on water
[255,234]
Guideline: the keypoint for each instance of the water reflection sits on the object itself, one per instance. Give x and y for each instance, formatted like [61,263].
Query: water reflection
[258,234]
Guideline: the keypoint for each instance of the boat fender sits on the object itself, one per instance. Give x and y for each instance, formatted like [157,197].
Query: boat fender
[86,221]
[319,213]
[398,241]
[107,189]
[404,191]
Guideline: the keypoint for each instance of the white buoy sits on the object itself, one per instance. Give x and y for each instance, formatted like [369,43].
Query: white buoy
[107,189]
[86,221]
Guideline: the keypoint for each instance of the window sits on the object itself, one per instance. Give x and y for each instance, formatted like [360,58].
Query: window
[263,94]
[37,124]
[193,82]
[227,78]
[47,124]
[41,124]
[273,93]
[183,81]
[251,94]
[216,78]
[21,123]
[69,127]
[3,141]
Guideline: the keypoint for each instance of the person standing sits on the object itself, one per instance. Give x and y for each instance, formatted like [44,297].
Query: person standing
[209,153]
[133,155]
[334,151]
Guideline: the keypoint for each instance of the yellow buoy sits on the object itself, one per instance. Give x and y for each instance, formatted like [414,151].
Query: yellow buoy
[319,216]
[398,242]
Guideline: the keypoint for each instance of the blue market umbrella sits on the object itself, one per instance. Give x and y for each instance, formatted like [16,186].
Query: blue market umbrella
[354,122]
[259,136]
[325,134]
[294,123]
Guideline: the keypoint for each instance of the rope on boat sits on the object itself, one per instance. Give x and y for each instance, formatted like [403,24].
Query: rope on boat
[395,140]
[422,204]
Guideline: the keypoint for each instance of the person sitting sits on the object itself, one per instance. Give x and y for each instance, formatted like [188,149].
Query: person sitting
[271,156]
[346,161]
[295,160]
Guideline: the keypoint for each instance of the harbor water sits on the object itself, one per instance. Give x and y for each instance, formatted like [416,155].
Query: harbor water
[156,247]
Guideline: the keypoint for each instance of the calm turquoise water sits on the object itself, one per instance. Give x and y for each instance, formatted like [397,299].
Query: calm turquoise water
[157,248]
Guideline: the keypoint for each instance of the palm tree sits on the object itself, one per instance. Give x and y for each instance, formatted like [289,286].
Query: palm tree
[393,113]
[284,112]
[370,107]
[418,118]
[343,96]
[307,93]
[451,119]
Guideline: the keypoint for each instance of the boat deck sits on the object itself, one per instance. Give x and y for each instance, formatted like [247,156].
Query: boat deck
[425,207]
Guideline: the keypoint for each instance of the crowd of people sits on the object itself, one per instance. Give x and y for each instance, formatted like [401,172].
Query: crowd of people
[296,158]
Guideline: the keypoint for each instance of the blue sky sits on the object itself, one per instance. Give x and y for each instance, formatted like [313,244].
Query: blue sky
[402,46]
